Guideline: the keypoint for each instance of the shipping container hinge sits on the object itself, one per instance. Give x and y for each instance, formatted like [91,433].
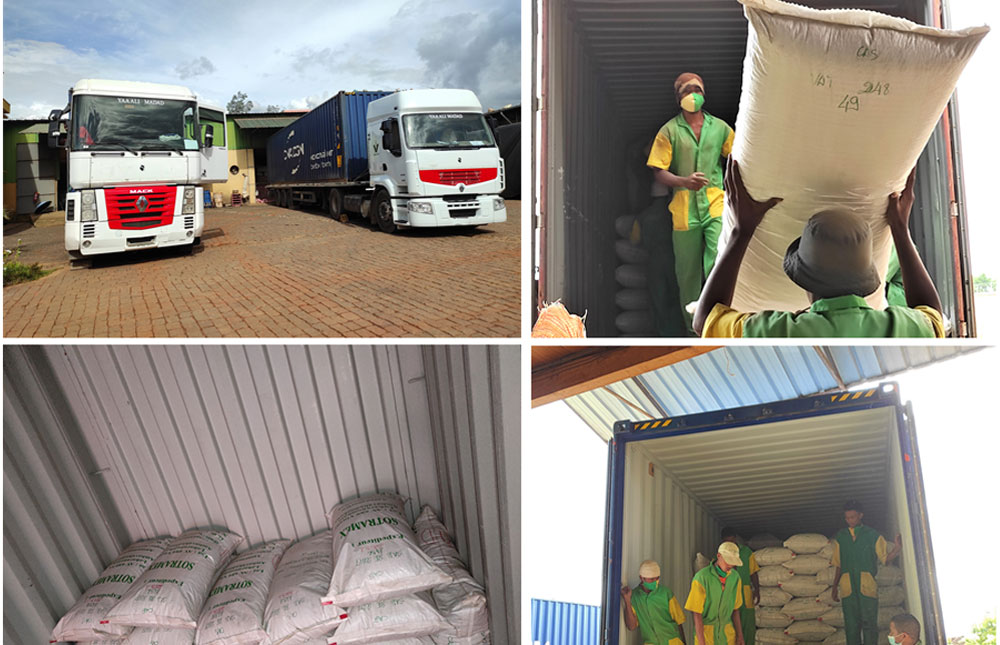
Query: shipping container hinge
[953,209]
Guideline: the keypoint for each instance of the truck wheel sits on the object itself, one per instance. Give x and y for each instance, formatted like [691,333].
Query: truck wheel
[279,198]
[335,205]
[382,208]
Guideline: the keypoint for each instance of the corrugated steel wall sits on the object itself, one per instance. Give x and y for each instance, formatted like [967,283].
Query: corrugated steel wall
[107,445]
[564,623]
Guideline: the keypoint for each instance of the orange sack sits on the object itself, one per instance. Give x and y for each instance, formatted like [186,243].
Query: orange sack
[555,322]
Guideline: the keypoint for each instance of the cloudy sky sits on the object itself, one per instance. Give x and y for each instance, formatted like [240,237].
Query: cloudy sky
[284,54]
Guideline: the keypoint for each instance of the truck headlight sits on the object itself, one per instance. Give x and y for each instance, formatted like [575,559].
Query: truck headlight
[88,206]
[498,203]
[420,207]
[188,208]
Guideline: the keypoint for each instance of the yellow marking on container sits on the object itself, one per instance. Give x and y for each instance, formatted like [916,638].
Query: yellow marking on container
[667,422]
[340,161]
[644,426]
[869,393]
[833,398]
[657,424]
[857,394]
[844,398]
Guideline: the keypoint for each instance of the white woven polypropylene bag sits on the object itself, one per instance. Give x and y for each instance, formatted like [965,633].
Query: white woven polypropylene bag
[172,590]
[810,630]
[773,597]
[772,555]
[894,595]
[772,617]
[889,575]
[802,586]
[826,576]
[234,611]
[838,638]
[835,109]
[375,554]
[295,614]
[770,636]
[391,618]
[805,543]
[463,601]
[762,541]
[833,617]
[806,564]
[805,608]
[773,575]
[160,636]
[885,615]
[83,621]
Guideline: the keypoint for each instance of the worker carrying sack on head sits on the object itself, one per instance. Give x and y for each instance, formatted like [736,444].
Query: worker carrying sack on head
[832,262]
[750,583]
[653,608]
[687,156]
[715,598]
[857,551]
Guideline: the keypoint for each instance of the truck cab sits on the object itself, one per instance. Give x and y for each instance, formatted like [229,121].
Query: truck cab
[139,156]
[433,161]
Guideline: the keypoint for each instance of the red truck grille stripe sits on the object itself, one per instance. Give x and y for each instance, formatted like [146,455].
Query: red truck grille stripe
[455,177]
[123,206]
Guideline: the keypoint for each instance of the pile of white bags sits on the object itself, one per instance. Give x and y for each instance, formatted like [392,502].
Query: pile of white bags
[835,110]
[85,621]
[389,619]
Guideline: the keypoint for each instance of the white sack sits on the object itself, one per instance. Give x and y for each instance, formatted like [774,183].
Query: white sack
[889,575]
[83,621]
[771,636]
[772,617]
[827,598]
[294,614]
[806,564]
[885,615]
[762,541]
[773,575]
[773,597]
[482,638]
[160,636]
[172,590]
[839,638]
[836,107]
[834,617]
[827,551]
[463,601]
[810,630]
[391,618]
[802,586]
[772,555]
[805,608]
[826,576]
[234,611]
[894,595]
[700,562]
[805,543]
[375,554]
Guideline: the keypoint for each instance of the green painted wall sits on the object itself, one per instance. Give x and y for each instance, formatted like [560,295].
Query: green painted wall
[11,137]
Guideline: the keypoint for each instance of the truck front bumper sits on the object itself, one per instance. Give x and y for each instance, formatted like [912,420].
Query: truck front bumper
[471,212]
[93,238]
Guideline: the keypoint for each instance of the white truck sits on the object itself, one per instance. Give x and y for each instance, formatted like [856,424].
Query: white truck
[414,158]
[139,156]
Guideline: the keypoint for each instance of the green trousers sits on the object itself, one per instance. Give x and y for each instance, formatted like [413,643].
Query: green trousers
[656,235]
[694,253]
[860,619]
[748,620]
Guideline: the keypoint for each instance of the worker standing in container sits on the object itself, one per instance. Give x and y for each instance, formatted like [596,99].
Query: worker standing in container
[750,583]
[653,608]
[687,156]
[857,551]
[715,599]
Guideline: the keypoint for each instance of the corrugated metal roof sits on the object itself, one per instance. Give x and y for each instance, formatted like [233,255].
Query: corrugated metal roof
[38,128]
[104,445]
[265,122]
[564,623]
[745,375]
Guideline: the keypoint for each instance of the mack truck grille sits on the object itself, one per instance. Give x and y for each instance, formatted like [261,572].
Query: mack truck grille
[456,177]
[139,207]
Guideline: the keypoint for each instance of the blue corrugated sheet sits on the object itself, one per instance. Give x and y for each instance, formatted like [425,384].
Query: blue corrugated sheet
[564,623]
[748,375]
[327,144]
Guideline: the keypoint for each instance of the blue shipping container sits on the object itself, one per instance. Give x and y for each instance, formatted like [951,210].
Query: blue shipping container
[564,623]
[327,144]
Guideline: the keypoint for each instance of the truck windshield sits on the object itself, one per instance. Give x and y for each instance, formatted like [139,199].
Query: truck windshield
[447,130]
[132,123]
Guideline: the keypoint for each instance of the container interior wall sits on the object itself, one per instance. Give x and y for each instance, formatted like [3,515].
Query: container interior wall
[668,516]
[663,521]
[609,70]
[107,445]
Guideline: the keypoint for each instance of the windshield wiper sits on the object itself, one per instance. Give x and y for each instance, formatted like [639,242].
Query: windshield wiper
[119,143]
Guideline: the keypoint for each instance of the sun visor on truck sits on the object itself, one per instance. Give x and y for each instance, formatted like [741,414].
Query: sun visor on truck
[835,110]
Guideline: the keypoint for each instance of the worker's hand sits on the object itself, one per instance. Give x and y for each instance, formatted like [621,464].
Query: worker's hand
[626,593]
[756,598]
[897,213]
[898,541]
[739,639]
[749,212]
[695,181]
[835,591]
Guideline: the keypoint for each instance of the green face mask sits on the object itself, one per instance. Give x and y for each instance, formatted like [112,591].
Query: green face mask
[650,586]
[692,102]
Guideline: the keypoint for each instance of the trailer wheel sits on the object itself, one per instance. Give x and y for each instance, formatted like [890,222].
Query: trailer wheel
[382,208]
[279,198]
[335,205]
[289,199]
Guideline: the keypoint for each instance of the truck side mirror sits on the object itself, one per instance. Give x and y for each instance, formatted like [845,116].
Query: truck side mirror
[390,137]
[57,138]
[209,134]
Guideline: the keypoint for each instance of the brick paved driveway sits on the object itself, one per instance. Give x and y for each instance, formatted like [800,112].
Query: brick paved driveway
[271,272]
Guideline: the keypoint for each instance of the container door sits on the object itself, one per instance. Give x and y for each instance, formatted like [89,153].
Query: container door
[214,160]
[920,528]
[614,508]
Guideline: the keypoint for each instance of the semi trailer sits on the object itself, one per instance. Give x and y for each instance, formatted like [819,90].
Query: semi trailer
[414,158]
[139,157]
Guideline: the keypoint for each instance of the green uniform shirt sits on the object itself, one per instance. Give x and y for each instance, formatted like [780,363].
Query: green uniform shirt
[858,556]
[676,149]
[894,292]
[745,570]
[659,614]
[841,317]
[716,603]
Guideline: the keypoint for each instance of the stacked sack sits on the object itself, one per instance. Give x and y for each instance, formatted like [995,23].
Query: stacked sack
[379,573]
[795,579]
